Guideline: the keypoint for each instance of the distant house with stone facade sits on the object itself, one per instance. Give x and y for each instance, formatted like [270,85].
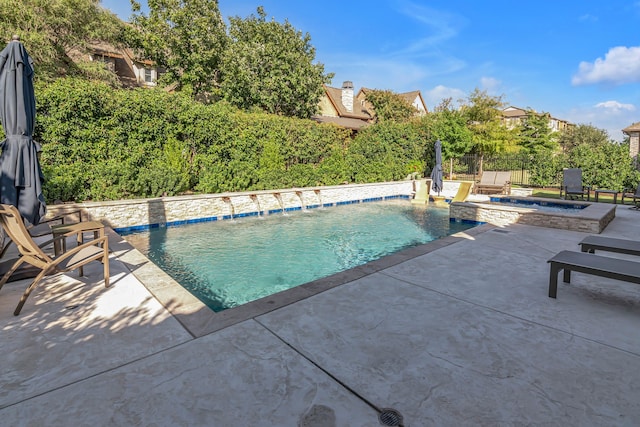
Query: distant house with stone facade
[633,132]
[340,106]
[514,116]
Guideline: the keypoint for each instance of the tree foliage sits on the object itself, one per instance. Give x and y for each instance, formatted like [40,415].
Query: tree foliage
[52,29]
[535,133]
[606,165]
[450,127]
[186,38]
[582,134]
[389,106]
[269,65]
[484,118]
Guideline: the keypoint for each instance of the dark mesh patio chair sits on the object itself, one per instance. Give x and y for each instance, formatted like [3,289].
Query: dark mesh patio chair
[634,196]
[572,186]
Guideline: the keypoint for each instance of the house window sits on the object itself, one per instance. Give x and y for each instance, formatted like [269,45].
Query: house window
[109,63]
[148,75]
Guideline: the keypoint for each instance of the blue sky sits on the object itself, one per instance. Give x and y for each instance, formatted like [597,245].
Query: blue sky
[576,59]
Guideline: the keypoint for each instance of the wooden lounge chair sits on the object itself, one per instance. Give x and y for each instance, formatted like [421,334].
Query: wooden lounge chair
[31,253]
[493,182]
[572,186]
[612,268]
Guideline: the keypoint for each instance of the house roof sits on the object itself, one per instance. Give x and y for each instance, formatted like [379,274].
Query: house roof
[107,49]
[335,97]
[407,96]
[411,96]
[512,111]
[345,122]
[633,128]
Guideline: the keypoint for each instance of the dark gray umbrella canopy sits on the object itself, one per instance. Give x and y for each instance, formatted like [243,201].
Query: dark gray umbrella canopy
[436,172]
[20,175]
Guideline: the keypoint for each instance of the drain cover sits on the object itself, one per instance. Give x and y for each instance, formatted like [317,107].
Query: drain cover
[390,417]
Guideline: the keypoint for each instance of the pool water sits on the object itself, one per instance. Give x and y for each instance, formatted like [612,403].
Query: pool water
[229,263]
[566,207]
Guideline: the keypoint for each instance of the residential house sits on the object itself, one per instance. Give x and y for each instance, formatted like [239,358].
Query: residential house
[514,116]
[340,106]
[414,98]
[633,132]
[132,71]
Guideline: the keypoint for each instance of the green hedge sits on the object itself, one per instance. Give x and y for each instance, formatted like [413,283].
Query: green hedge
[105,144]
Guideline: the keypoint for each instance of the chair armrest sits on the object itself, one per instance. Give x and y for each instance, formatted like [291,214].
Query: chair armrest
[95,242]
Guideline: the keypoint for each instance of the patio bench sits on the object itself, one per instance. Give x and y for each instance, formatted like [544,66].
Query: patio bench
[494,182]
[610,244]
[611,268]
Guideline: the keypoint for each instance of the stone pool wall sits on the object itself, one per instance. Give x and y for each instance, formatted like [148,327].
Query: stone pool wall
[163,210]
[592,219]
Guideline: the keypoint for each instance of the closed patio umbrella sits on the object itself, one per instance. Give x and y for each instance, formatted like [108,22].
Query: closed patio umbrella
[21,178]
[436,172]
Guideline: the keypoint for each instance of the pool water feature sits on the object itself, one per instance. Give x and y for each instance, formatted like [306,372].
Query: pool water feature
[229,263]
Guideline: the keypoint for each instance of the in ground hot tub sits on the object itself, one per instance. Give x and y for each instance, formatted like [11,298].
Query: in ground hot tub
[564,214]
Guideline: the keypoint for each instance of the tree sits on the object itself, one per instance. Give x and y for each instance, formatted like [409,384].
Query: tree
[390,106]
[484,118]
[52,29]
[535,133]
[185,37]
[269,65]
[450,127]
[606,165]
[583,134]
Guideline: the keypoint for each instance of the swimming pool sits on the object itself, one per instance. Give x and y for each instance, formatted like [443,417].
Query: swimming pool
[229,263]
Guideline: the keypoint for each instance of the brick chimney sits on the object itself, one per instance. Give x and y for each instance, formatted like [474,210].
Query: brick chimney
[347,96]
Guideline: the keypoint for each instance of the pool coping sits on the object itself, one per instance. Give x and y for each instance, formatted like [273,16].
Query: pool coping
[200,320]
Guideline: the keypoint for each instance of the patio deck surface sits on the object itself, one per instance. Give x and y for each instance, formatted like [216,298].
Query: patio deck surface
[463,334]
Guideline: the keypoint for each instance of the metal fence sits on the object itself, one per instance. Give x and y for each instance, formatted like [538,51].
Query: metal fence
[470,167]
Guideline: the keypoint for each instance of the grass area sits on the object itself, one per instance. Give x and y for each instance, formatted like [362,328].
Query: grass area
[554,193]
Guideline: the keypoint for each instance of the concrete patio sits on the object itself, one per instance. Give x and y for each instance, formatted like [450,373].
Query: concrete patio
[455,333]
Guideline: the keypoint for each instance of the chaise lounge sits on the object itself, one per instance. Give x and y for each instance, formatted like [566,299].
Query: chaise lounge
[610,244]
[612,268]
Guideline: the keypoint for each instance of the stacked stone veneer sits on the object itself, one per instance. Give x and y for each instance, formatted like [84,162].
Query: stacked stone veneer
[592,219]
[178,209]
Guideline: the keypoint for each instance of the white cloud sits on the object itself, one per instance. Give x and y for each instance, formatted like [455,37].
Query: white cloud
[611,116]
[588,17]
[615,106]
[438,26]
[434,96]
[490,84]
[620,65]
[399,74]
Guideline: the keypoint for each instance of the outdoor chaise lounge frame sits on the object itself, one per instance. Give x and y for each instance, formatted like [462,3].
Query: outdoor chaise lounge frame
[494,182]
[610,244]
[572,185]
[31,253]
[612,268]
